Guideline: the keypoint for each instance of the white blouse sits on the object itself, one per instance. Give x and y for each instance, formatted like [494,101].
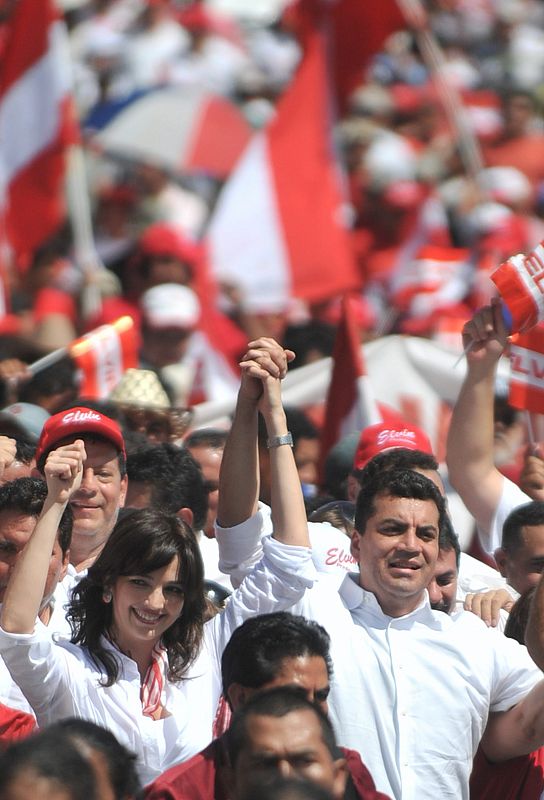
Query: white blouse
[61,680]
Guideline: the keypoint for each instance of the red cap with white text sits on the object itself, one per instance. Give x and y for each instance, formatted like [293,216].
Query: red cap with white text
[76,422]
[383,436]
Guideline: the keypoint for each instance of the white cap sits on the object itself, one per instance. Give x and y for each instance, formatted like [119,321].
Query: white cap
[170,305]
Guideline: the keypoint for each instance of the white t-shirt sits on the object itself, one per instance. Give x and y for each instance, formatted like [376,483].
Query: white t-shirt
[511,497]
[412,694]
[240,546]
[61,680]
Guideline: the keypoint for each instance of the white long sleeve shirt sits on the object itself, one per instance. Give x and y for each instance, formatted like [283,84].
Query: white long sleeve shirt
[413,694]
[60,679]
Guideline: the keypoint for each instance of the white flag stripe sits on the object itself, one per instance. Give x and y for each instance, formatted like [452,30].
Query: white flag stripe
[29,116]
[246,230]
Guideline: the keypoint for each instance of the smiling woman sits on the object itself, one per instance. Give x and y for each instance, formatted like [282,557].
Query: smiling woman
[146,587]
[141,661]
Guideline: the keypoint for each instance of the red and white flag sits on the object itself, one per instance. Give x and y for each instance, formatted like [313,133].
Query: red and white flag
[36,122]
[435,278]
[350,404]
[520,282]
[103,355]
[280,226]
[527,371]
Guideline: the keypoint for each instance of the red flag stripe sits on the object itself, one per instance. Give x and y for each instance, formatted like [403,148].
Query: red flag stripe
[103,355]
[520,284]
[527,371]
[350,405]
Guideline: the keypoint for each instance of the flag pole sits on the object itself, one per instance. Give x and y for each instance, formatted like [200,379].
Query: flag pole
[48,360]
[469,149]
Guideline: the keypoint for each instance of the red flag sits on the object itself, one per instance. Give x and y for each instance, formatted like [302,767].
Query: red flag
[103,355]
[350,404]
[357,32]
[527,371]
[520,284]
[280,226]
[36,122]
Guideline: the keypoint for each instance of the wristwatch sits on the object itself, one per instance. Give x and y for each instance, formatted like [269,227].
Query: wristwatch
[277,441]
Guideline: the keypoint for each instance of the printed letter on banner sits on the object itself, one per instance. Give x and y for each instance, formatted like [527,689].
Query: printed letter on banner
[520,282]
[527,371]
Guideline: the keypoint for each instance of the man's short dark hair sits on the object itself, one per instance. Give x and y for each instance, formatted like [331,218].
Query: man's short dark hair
[48,755]
[396,483]
[207,437]
[120,762]
[276,702]
[175,479]
[257,649]
[448,539]
[396,458]
[25,450]
[528,514]
[26,496]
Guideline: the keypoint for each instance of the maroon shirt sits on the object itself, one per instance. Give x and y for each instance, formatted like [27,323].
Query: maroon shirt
[202,778]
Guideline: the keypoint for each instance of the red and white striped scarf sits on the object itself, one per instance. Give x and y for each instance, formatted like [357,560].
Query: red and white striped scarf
[153,683]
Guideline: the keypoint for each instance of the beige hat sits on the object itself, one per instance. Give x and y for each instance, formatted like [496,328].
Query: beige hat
[140,387]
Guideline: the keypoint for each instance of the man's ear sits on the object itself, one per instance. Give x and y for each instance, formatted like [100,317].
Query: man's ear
[501,558]
[186,515]
[123,491]
[237,695]
[356,546]
[340,777]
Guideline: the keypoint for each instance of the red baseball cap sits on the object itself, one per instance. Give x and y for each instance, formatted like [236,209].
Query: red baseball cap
[76,422]
[384,436]
[162,239]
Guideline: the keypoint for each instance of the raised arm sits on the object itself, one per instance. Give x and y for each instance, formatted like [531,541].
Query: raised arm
[471,467]
[24,593]
[521,729]
[239,477]
[288,510]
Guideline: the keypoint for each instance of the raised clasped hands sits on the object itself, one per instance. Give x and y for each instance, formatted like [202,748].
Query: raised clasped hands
[264,365]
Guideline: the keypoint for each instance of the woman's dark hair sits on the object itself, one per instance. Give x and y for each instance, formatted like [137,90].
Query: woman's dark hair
[120,763]
[142,542]
[50,755]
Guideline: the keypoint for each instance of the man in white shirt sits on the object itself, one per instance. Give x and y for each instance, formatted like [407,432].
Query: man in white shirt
[413,689]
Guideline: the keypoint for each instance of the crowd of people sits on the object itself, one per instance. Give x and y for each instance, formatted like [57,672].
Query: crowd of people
[221,613]
[223,665]
[426,228]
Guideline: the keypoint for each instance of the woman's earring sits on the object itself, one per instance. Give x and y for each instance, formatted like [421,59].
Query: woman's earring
[107,596]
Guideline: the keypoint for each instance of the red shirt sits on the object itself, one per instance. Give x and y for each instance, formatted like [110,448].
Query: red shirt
[14,724]
[202,777]
[516,779]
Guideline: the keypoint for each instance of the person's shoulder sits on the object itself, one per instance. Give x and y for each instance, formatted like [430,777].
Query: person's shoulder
[197,771]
